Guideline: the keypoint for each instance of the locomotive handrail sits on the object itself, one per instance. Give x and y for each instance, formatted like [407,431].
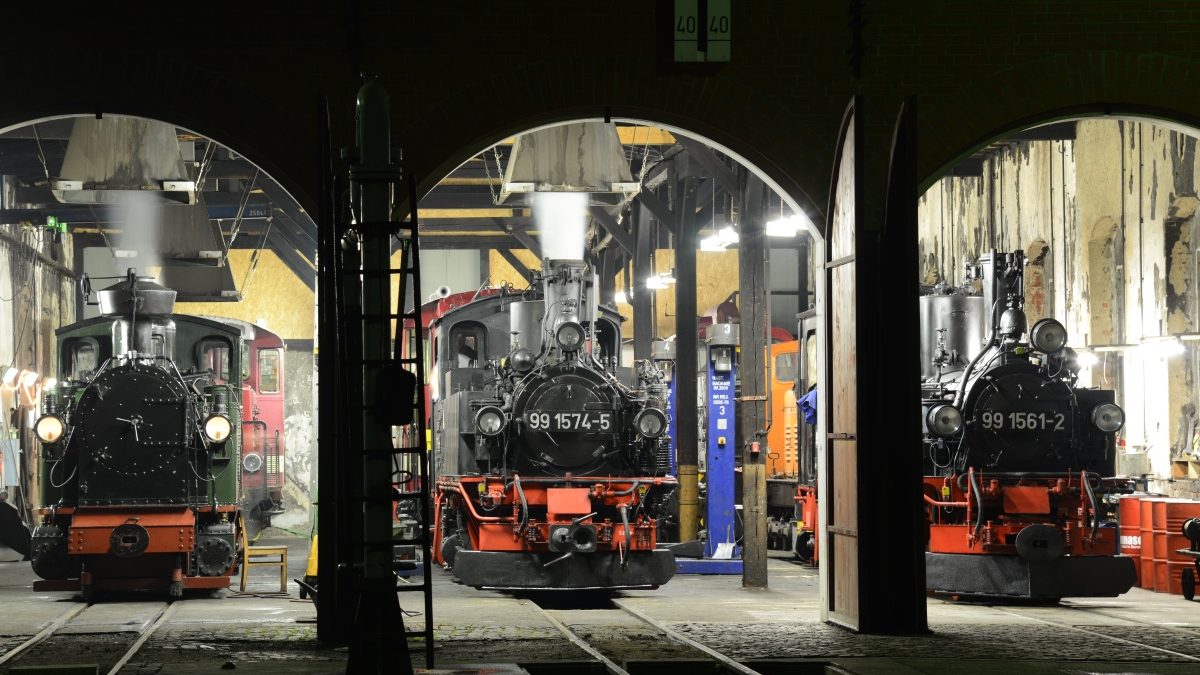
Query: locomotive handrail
[934,502]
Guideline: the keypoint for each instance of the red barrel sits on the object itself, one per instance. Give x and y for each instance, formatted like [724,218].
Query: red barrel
[1178,511]
[1146,526]
[1129,515]
[1161,543]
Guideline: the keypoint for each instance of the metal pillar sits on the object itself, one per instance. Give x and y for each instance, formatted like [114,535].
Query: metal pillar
[755,301]
[377,620]
[642,297]
[687,443]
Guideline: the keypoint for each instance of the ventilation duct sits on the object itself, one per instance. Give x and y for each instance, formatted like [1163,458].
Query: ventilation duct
[579,157]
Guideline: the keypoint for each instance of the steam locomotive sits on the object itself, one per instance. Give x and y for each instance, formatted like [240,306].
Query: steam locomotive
[551,459]
[138,440]
[1019,457]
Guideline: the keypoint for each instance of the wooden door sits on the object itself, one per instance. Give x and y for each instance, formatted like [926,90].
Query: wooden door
[841,552]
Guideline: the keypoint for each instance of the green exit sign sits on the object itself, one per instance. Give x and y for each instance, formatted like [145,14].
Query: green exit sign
[702,31]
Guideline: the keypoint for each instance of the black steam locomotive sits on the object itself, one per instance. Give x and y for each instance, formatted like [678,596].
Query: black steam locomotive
[138,439]
[552,459]
[1018,455]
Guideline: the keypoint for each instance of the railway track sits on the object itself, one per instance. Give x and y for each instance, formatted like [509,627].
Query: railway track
[1105,636]
[45,638]
[612,653]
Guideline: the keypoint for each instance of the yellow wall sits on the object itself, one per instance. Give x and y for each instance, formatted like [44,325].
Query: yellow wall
[273,294]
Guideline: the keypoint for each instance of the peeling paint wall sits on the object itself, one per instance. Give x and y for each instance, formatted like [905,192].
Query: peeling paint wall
[1108,223]
[35,299]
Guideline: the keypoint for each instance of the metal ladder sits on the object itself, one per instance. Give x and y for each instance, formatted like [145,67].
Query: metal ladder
[372,372]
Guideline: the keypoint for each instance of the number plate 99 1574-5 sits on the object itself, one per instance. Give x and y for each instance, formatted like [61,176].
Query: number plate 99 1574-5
[584,421]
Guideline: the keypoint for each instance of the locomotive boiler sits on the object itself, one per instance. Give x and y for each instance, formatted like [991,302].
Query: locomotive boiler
[552,458]
[137,440]
[1018,456]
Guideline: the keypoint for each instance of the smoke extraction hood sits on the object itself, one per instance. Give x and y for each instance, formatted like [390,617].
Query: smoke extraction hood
[132,170]
[578,157]
[108,158]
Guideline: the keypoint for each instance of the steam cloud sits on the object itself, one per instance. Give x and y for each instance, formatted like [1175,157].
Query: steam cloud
[139,216]
[561,220]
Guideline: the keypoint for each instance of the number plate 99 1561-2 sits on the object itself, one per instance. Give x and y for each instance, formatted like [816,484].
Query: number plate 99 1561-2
[1022,420]
[584,421]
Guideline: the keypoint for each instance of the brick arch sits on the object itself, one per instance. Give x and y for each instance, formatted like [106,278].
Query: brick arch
[1062,86]
[716,109]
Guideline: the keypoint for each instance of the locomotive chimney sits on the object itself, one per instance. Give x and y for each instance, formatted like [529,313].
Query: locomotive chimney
[141,311]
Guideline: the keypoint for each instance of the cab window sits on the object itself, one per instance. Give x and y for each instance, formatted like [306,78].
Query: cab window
[82,358]
[214,357]
[468,345]
[269,362]
[785,367]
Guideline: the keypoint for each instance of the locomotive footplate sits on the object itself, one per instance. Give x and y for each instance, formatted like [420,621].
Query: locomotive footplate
[515,571]
[1009,576]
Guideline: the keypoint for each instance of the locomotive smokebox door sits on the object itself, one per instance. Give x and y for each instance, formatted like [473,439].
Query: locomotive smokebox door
[395,386]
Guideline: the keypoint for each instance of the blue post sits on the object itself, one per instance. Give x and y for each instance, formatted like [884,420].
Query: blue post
[719,467]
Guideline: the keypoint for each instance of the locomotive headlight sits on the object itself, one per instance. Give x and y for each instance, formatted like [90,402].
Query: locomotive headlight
[944,420]
[489,421]
[569,336]
[49,428]
[1108,417]
[651,423]
[217,428]
[1048,336]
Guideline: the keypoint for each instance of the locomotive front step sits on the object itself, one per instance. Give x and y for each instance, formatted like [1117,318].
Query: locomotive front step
[501,570]
[1005,576]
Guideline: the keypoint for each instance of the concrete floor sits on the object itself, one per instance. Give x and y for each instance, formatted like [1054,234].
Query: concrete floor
[773,631]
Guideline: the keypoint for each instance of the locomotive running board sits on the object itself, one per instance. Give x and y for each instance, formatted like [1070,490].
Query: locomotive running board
[503,570]
[1013,577]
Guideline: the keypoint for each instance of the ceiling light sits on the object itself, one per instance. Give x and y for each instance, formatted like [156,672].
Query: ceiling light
[1161,348]
[1087,359]
[655,283]
[783,227]
[10,376]
[621,297]
[712,243]
[667,277]
[727,235]
[29,378]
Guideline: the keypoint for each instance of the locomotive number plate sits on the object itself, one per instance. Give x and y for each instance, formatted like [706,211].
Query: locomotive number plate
[1017,420]
[569,421]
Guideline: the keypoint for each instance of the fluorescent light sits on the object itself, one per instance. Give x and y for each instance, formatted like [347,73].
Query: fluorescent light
[783,227]
[520,187]
[10,376]
[29,378]
[1162,349]
[712,243]
[655,283]
[668,277]
[1087,359]
[727,235]
[621,297]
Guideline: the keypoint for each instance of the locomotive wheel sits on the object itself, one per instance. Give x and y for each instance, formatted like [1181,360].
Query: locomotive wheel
[1189,584]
